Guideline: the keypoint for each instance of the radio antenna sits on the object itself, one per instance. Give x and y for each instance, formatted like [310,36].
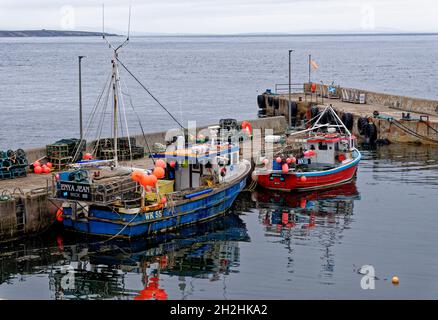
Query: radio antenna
[124,43]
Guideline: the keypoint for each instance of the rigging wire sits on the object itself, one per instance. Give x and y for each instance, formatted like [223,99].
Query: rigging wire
[91,117]
[102,120]
[119,87]
[150,93]
[138,118]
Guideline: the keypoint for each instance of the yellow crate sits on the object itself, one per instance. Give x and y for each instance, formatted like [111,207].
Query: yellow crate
[164,186]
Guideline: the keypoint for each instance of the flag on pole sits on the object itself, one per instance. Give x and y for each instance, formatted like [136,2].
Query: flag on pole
[313,64]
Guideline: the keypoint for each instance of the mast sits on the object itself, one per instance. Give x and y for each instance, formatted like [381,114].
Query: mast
[115,80]
[115,128]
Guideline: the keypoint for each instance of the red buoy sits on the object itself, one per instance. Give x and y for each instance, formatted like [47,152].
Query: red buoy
[247,127]
[37,169]
[278,159]
[303,178]
[172,164]
[49,164]
[88,156]
[46,169]
[59,215]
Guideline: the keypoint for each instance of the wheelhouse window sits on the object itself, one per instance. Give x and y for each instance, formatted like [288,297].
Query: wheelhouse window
[322,146]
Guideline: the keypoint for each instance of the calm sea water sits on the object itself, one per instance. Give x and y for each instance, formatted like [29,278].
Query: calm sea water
[270,246]
[197,78]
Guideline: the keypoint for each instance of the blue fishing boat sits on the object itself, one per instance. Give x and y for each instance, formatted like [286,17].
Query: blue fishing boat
[194,180]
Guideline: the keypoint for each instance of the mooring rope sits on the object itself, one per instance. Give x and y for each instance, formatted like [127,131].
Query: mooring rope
[252,186]
[399,125]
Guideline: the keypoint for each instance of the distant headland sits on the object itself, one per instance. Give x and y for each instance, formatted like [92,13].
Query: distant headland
[52,33]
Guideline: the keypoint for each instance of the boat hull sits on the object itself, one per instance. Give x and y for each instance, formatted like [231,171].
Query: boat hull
[275,180]
[105,222]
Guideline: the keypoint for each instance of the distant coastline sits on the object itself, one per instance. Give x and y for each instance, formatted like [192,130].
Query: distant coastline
[70,33]
[51,33]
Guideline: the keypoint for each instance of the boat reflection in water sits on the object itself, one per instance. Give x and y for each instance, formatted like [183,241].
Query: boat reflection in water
[307,219]
[98,270]
[299,210]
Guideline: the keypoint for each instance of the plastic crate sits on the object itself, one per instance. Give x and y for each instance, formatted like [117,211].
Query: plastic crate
[164,187]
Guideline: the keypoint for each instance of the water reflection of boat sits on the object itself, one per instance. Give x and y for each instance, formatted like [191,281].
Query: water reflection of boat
[301,220]
[299,210]
[305,200]
[203,251]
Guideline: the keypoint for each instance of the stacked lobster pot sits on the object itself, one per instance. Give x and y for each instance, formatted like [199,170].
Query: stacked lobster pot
[65,151]
[13,164]
[125,147]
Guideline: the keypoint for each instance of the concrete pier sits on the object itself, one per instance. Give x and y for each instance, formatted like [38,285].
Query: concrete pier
[422,127]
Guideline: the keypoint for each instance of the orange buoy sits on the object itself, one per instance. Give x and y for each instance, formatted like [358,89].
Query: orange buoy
[395,280]
[145,180]
[293,160]
[303,178]
[159,172]
[153,180]
[37,169]
[160,163]
[136,175]
[285,168]
[46,169]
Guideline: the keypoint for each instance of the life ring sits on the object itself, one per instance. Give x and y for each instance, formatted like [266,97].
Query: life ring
[247,127]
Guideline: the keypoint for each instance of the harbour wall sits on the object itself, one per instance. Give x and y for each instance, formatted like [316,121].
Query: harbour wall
[404,103]
[26,214]
[278,124]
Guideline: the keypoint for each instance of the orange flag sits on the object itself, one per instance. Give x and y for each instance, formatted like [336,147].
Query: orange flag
[313,64]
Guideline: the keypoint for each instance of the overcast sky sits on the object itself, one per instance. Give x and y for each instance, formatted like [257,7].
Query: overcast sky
[223,16]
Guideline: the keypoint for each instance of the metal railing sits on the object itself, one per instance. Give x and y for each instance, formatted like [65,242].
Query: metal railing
[283,88]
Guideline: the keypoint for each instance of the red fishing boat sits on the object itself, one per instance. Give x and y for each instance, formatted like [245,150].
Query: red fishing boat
[321,156]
